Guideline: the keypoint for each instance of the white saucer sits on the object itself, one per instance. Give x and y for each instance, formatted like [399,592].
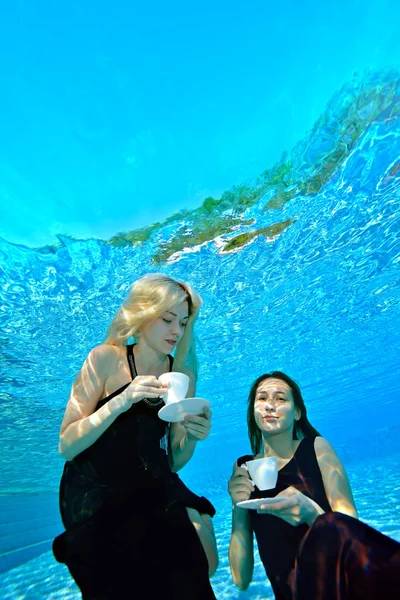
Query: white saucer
[257,502]
[174,412]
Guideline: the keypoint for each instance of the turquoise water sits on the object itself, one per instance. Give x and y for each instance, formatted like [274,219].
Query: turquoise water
[299,271]
[113,116]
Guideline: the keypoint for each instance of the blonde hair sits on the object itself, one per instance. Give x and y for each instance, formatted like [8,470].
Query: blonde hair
[149,297]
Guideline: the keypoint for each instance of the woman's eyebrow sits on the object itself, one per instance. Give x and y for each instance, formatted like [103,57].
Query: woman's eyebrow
[275,392]
[175,315]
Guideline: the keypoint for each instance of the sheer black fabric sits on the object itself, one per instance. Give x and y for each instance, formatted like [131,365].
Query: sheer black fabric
[341,558]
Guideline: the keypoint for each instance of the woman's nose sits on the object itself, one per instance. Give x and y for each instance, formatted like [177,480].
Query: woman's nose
[175,329]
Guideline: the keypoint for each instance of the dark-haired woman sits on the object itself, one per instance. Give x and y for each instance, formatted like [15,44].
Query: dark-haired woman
[311,543]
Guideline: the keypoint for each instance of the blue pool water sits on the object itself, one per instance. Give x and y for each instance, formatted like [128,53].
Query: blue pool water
[298,272]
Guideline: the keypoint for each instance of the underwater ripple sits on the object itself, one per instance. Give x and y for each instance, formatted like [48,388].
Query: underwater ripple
[299,271]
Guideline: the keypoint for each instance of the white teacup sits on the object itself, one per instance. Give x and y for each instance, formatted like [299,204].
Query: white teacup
[263,472]
[178,386]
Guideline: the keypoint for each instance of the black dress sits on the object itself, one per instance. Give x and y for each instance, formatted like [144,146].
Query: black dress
[128,534]
[337,558]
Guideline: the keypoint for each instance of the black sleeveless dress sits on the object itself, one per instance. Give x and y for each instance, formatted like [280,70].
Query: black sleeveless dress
[337,558]
[128,534]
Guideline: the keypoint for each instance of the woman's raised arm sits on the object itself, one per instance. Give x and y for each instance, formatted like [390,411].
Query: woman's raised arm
[185,359]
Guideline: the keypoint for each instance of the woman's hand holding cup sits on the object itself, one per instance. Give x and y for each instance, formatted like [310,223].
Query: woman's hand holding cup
[198,426]
[143,386]
[239,485]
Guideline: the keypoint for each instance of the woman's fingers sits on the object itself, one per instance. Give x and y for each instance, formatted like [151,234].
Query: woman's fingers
[149,390]
[280,511]
[197,424]
[239,485]
[245,489]
[240,482]
[196,432]
[240,473]
[292,509]
[196,299]
[239,492]
[287,492]
[148,385]
[149,380]
[197,420]
[285,500]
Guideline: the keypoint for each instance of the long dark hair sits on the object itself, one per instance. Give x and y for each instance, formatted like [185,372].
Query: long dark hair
[302,428]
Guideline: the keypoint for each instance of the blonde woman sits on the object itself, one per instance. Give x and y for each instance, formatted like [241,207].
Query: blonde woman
[133,529]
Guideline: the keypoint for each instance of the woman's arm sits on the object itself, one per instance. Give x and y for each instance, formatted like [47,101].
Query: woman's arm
[185,436]
[336,482]
[82,425]
[185,359]
[241,550]
[297,508]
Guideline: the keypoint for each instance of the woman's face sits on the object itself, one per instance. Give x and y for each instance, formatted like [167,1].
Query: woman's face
[274,408]
[165,332]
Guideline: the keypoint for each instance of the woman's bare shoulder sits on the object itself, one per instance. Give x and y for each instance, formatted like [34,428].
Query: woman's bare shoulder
[105,357]
[322,444]
[325,452]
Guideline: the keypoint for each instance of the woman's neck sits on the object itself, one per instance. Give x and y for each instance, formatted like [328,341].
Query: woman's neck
[148,361]
[281,445]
